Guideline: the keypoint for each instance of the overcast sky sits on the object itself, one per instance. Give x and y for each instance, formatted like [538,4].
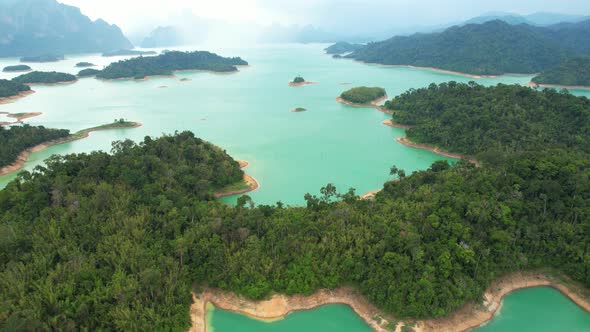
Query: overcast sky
[331,14]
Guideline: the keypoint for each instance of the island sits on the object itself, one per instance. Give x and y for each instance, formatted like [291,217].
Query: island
[299,81]
[363,96]
[166,64]
[574,73]
[476,50]
[127,53]
[142,223]
[19,117]
[84,64]
[298,110]
[342,47]
[88,72]
[40,77]
[17,68]
[11,89]
[42,58]
[23,140]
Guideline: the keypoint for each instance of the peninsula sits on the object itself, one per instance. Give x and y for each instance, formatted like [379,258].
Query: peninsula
[24,140]
[168,63]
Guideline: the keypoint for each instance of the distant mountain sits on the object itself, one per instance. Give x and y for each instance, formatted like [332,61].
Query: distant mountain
[491,48]
[163,37]
[34,27]
[536,19]
[573,36]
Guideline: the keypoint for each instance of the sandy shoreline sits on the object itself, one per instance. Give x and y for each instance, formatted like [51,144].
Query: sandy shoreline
[445,71]
[53,84]
[405,141]
[370,194]
[474,315]
[279,306]
[569,87]
[19,118]
[471,315]
[301,84]
[24,156]
[250,181]
[390,123]
[7,100]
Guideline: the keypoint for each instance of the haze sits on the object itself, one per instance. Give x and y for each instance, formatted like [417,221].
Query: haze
[344,16]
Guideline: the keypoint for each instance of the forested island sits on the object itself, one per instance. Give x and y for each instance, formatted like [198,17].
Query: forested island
[342,47]
[10,88]
[127,52]
[299,81]
[363,95]
[40,77]
[17,68]
[84,64]
[42,58]
[141,225]
[168,63]
[491,48]
[88,72]
[16,139]
[572,73]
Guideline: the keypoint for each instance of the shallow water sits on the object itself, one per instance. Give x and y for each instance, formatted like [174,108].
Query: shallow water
[249,114]
[538,309]
[328,318]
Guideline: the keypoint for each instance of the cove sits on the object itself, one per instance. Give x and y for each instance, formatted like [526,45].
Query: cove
[328,318]
[533,309]
[538,309]
[249,114]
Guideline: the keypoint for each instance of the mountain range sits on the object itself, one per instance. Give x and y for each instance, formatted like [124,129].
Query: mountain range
[36,27]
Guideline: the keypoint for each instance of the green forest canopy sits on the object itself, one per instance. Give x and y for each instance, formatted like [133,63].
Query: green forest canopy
[117,241]
[167,63]
[11,88]
[44,77]
[16,139]
[491,48]
[473,119]
[363,94]
[574,72]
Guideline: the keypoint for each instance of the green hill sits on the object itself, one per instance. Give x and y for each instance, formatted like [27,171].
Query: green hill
[492,48]
[574,72]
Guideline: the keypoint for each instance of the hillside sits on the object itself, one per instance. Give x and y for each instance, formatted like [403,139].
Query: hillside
[34,27]
[575,72]
[492,48]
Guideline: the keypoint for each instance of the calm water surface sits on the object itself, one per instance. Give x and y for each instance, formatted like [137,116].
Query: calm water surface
[248,114]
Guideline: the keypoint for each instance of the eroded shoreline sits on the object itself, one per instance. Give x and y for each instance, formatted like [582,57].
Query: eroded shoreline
[471,315]
[7,100]
[406,141]
[24,156]
[569,87]
[373,104]
[251,183]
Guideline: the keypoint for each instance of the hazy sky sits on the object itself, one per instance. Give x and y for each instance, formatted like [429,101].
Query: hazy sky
[340,14]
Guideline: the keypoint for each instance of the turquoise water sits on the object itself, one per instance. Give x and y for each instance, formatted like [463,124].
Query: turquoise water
[328,318]
[249,114]
[539,309]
